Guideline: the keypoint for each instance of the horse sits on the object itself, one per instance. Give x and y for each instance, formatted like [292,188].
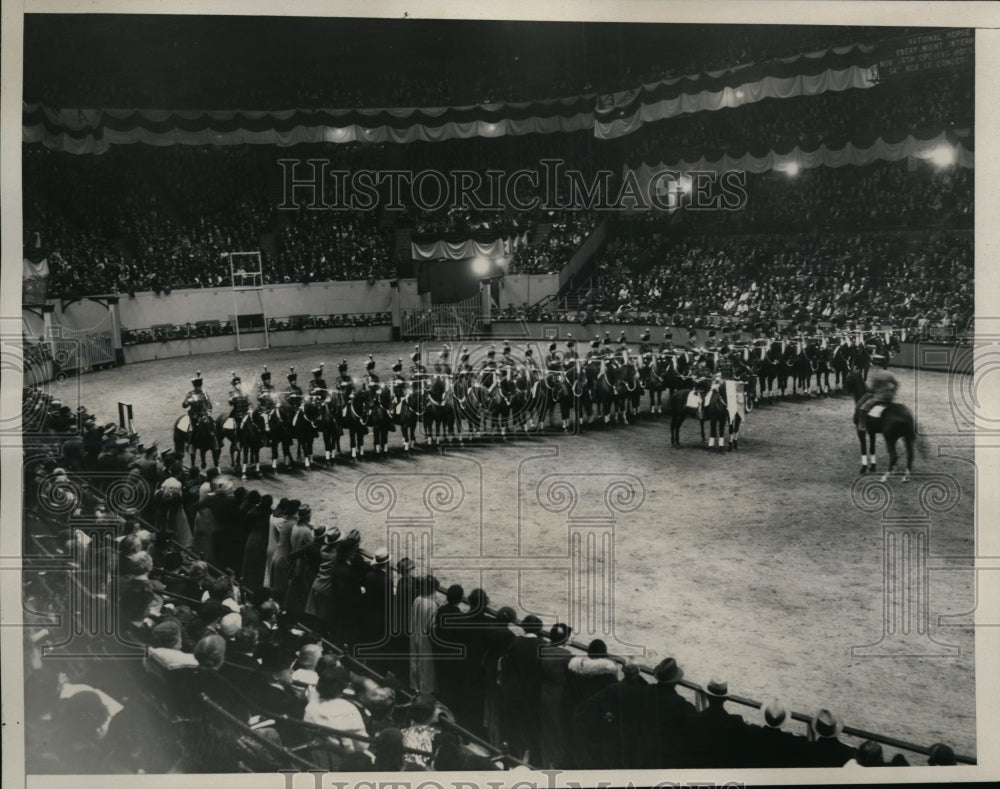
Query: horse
[556,391]
[714,412]
[628,391]
[605,390]
[305,428]
[842,364]
[275,435]
[652,378]
[819,362]
[201,436]
[801,368]
[439,415]
[862,360]
[408,413]
[501,399]
[354,418]
[328,426]
[244,441]
[895,422]
[526,405]
[380,420]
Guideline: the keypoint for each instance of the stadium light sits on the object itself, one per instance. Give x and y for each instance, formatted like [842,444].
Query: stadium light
[480,266]
[792,169]
[943,156]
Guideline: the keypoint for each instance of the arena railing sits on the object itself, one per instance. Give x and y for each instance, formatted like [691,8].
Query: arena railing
[694,687]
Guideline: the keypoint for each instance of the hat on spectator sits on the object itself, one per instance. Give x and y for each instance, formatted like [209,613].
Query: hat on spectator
[667,671]
[211,474]
[826,724]
[305,511]
[717,688]
[382,556]
[166,634]
[559,633]
[210,652]
[353,536]
[331,535]
[405,565]
[230,625]
[940,755]
[597,648]
[775,714]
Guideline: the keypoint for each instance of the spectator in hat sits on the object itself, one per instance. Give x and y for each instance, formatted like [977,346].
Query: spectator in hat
[716,737]
[521,688]
[273,694]
[770,745]
[590,673]
[282,525]
[401,608]
[303,563]
[827,750]
[941,755]
[449,647]
[477,627]
[555,657]
[171,517]
[319,603]
[278,514]
[663,712]
[206,487]
[345,607]
[377,599]
[497,639]
[422,674]
[255,550]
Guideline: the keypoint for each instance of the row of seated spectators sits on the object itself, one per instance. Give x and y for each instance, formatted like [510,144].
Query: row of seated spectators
[827,277]
[190,331]
[439,63]
[257,639]
[832,117]
[568,230]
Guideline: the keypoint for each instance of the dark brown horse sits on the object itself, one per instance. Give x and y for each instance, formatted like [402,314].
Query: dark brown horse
[893,420]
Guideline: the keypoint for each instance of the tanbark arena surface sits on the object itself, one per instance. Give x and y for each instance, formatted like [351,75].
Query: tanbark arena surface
[756,566]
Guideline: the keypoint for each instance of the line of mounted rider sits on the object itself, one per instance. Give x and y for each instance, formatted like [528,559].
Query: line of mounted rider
[510,389]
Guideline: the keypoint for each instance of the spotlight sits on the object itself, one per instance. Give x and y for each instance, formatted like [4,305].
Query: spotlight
[943,156]
[792,169]
[480,266]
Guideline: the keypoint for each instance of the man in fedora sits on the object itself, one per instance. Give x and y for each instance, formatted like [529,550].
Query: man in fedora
[718,739]
[377,584]
[609,724]
[771,745]
[827,750]
[664,714]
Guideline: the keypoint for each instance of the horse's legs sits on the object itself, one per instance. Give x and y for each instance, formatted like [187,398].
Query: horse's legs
[734,432]
[890,444]
[872,465]
[864,453]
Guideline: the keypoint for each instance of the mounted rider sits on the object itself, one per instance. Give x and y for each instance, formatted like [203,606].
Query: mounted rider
[531,365]
[293,395]
[372,381]
[345,384]
[443,364]
[553,365]
[418,373]
[197,402]
[318,391]
[266,393]
[644,344]
[667,346]
[239,403]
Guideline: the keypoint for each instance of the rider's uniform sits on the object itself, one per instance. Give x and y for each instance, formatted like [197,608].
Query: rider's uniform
[266,393]
[884,386]
[317,386]
[197,403]
[488,370]
[645,346]
[239,403]
[570,355]
[293,395]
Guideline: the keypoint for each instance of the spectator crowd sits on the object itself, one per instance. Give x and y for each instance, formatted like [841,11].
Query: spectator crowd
[270,640]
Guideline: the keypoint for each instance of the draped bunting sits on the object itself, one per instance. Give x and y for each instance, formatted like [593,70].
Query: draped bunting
[647,111]
[467,248]
[94,131]
[879,150]
[35,270]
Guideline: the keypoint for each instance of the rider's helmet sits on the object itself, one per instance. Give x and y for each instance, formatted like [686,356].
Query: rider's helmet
[197,380]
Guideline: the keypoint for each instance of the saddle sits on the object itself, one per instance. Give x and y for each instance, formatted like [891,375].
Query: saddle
[694,399]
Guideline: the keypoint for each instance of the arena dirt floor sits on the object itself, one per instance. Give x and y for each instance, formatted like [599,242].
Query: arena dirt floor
[757,567]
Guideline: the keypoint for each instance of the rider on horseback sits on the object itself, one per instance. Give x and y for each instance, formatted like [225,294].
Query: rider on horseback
[317,386]
[644,345]
[418,373]
[197,402]
[531,366]
[345,384]
[293,395]
[239,403]
[371,379]
[443,366]
[553,362]
[265,391]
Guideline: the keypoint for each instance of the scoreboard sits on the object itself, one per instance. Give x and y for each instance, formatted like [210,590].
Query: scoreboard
[950,49]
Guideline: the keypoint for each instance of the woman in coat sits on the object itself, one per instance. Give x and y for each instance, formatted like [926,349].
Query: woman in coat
[255,552]
[279,559]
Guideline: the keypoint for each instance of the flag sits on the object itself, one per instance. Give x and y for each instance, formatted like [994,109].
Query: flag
[736,399]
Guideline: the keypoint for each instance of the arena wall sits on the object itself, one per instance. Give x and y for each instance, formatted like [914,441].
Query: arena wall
[941,357]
